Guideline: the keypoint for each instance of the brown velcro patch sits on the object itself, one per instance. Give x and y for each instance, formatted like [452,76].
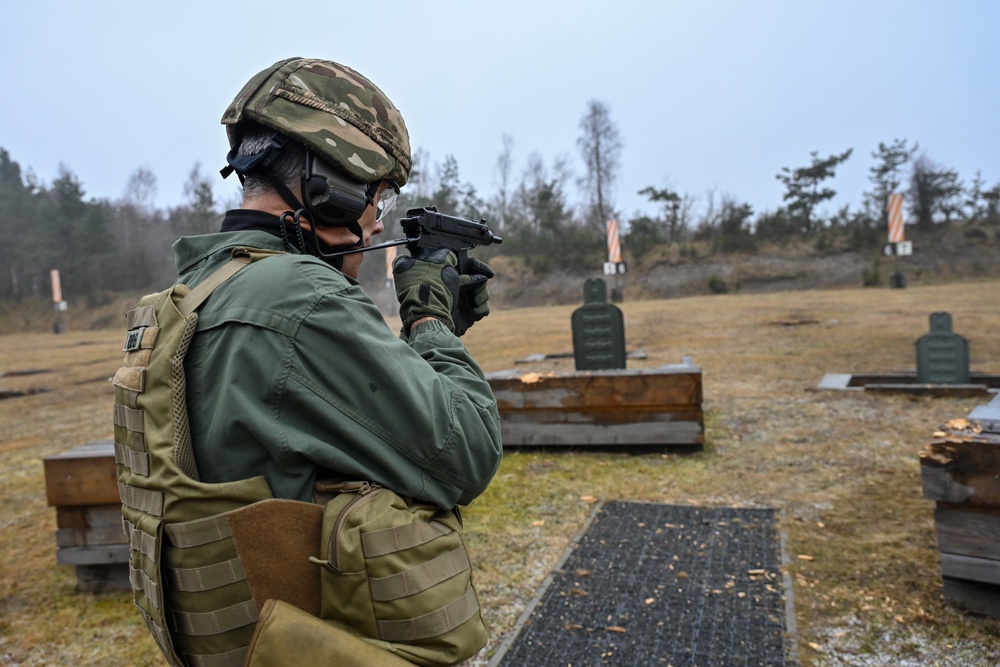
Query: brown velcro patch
[274,539]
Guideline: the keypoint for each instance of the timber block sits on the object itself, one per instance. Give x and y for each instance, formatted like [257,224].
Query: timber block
[633,410]
[84,475]
[81,483]
[972,596]
[960,471]
[962,466]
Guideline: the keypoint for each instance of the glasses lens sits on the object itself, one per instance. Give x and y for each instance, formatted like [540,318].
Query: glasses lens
[386,200]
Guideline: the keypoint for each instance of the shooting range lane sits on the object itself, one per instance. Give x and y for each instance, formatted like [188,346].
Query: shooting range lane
[651,584]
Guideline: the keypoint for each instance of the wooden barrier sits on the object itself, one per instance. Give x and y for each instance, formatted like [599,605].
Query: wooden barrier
[81,484]
[628,410]
[960,471]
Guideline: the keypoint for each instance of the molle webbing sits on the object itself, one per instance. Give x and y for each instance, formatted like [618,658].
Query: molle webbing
[187,579]
[433,624]
[419,578]
[389,540]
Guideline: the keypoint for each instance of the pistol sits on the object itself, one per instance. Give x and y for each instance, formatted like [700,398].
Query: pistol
[426,228]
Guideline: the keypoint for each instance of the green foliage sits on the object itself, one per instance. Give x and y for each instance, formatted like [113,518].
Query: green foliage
[735,233]
[802,187]
[202,216]
[126,244]
[935,193]
[644,234]
[885,176]
[777,226]
[674,221]
[717,285]
[870,275]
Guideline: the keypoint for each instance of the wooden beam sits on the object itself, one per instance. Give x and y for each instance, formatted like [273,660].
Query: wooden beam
[968,530]
[82,537]
[640,408]
[962,468]
[85,475]
[93,555]
[970,568]
[973,596]
[89,517]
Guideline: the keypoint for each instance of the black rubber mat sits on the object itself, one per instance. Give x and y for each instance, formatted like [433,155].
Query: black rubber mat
[653,584]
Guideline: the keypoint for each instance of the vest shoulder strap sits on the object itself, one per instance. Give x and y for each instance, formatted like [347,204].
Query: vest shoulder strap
[242,257]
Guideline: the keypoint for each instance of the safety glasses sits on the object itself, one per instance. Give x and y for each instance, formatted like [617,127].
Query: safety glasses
[386,200]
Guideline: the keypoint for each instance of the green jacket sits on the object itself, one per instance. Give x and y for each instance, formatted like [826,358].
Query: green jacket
[294,374]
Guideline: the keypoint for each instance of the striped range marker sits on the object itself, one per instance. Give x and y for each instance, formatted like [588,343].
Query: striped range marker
[614,242]
[895,218]
[56,286]
[390,256]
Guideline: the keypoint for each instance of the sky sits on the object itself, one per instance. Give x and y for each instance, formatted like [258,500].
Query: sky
[707,96]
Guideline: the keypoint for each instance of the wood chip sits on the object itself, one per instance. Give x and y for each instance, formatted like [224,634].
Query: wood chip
[615,628]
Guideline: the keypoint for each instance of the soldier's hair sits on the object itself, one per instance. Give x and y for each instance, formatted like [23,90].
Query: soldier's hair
[286,168]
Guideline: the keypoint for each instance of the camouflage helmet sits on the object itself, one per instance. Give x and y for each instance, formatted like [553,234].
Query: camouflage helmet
[330,109]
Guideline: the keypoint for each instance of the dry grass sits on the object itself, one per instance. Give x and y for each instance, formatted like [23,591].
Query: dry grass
[842,467]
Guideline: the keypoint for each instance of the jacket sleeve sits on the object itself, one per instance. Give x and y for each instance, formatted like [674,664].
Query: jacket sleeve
[416,415]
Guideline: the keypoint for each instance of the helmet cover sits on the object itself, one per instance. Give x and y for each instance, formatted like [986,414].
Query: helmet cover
[330,109]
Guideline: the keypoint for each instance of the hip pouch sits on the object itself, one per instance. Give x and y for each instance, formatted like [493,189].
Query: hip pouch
[397,573]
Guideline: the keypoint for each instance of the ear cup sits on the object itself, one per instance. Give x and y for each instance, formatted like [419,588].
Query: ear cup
[315,188]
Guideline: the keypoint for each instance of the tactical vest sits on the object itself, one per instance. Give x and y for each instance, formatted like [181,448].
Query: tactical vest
[186,577]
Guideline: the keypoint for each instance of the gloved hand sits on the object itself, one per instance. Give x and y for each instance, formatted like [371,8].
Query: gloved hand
[427,285]
[473,296]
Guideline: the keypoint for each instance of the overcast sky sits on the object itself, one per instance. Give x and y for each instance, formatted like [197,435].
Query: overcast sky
[707,95]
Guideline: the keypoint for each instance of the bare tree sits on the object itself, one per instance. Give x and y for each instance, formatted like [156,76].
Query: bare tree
[503,169]
[601,147]
[141,189]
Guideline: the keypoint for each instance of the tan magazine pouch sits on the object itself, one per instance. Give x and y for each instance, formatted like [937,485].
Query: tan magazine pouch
[397,572]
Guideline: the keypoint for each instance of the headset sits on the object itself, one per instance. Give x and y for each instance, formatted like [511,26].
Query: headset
[333,198]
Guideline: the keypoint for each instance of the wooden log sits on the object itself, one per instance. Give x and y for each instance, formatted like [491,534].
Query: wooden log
[89,517]
[93,555]
[968,530]
[970,568]
[82,537]
[962,468]
[578,429]
[612,408]
[85,475]
[973,596]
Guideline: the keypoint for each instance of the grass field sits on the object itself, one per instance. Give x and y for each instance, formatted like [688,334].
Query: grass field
[843,468]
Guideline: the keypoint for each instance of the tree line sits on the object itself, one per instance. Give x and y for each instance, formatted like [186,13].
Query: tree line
[104,246]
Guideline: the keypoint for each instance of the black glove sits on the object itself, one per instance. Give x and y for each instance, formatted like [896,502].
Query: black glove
[427,285]
[473,302]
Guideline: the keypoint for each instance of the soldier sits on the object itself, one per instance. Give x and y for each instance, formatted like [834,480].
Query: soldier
[292,375]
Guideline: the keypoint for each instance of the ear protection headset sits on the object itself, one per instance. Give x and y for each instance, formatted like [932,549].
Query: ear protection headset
[331,198]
